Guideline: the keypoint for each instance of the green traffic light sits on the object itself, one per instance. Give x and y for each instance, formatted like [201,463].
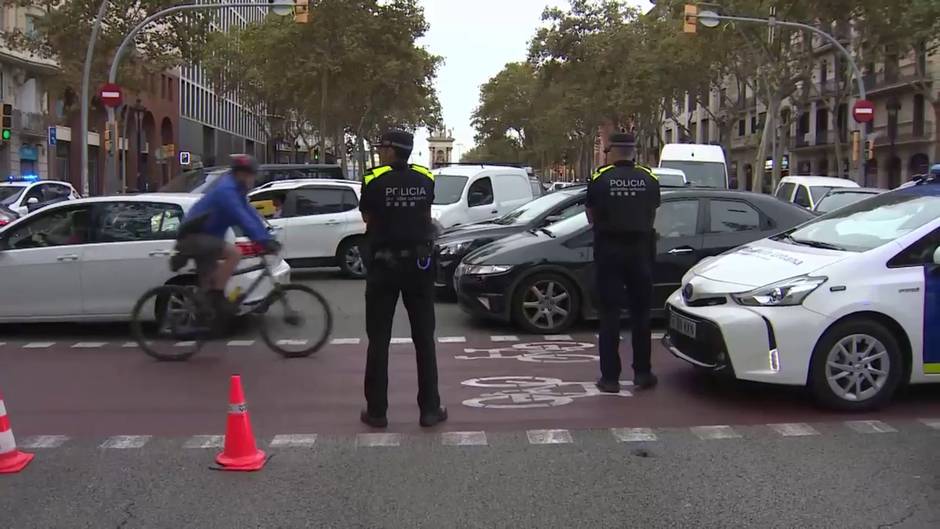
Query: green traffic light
[6,134]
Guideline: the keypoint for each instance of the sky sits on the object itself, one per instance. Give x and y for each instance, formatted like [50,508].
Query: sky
[476,38]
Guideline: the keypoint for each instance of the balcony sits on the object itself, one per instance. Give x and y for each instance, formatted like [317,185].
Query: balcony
[749,141]
[885,82]
[822,137]
[29,123]
[907,133]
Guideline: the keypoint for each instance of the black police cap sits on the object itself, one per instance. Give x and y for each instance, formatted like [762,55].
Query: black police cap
[621,139]
[397,138]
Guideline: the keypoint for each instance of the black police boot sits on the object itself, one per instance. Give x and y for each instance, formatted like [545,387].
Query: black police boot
[375,422]
[608,386]
[433,418]
[645,380]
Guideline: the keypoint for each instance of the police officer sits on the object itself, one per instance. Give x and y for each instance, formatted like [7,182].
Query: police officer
[396,206]
[622,199]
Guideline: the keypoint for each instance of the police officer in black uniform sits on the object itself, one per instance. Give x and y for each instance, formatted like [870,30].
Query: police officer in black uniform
[396,206]
[622,199]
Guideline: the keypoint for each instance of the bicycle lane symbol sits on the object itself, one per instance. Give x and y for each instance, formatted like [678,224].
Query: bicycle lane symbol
[552,352]
[523,392]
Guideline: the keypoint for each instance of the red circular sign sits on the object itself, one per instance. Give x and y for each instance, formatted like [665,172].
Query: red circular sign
[111,95]
[863,111]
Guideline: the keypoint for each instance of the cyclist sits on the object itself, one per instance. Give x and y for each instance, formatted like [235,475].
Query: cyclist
[202,233]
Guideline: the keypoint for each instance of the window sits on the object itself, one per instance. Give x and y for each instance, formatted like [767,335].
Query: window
[480,193]
[137,221]
[802,197]
[733,216]
[30,25]
[269,204]
[785,191]
[918,254]
[55,192]
[918,126]
[706,125]
[668,136]
[60,227]
[742,128]
[319,201]
[677,218]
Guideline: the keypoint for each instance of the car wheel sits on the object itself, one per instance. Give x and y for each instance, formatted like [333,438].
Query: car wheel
[350,258]
[545,303]
[857,366]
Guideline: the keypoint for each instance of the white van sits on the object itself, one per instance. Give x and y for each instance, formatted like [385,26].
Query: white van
[465,194]
[703,165]
[807,191]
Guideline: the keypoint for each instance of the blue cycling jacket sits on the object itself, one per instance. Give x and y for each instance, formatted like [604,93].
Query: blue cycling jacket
[227,206]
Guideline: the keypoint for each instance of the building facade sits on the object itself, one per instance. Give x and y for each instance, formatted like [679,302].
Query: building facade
[440,147]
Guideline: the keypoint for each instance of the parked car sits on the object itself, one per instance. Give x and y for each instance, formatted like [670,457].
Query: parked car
[537,188]
[840,197]
[464,194]
[670,177]
[197,180]
[807,191]
[703,165]
[92,258]
[319,222]
[7,216]
[846,304]
[453,244]
[513,278]
[26,195]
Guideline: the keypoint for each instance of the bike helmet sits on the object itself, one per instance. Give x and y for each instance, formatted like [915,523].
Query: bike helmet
[244,162]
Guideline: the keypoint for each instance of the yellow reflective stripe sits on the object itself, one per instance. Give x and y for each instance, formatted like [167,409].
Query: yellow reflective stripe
[423,170]
[601,171]
[932,369]
[647,170]
[375,173]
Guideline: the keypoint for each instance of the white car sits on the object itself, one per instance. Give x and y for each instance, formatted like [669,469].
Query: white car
[29,194]
[91,259]
[318,220]
[847,304]
[807,191]
[465,194]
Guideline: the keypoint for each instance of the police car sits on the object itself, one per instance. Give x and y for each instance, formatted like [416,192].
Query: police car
[26,194]
[847,304]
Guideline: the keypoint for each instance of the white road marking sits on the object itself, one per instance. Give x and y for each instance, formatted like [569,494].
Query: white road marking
[400,341]
[931,423]
[373,440]
[452,339]
[549,437]
[346,341]
[794,429]
[38,345]
[294,441]
[633,435]
[44,441]
[2,344]
[504,338]
[241,343]
[463,439]
[658,335]
[184,344]
[292,342]
[89,345]
[708,433]
[205,441]
[870,427]
[126,441]
[558,337]
[129,344]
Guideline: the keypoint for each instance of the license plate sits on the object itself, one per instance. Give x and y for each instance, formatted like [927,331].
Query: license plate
[682,325]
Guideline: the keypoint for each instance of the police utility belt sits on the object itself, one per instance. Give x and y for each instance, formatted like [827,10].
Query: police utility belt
[421,252]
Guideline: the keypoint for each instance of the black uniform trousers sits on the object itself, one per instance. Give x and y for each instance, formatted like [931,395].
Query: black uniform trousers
[624,264]
[385,280]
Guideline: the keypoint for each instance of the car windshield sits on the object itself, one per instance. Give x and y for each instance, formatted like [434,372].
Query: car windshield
[448,188]
[528,212]
[9,194]
[569,226]
[819,191]
[834,201]
[870,223]
[700,174]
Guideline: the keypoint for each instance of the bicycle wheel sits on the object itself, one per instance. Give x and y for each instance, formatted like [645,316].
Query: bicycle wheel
[297,321]
[169,322]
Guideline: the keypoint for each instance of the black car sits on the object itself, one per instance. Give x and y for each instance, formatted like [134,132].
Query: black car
[543,279]
[453,244]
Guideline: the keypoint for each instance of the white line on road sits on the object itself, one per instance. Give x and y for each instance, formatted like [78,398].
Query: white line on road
[241,343]
[633,435]
[708,433]
[931,423]
[793,429]
[400,341]
[2,344]
[870,427]
[346,341]
[294,441]
[38,345]
[504,338]
[126,441]
[44,441]
[205,441]
[129,344]
[658,335]
[184,344]
[292,342]
[89,345]
[558,337]
[452,339]
[463,439]
[373,440]
[549,437]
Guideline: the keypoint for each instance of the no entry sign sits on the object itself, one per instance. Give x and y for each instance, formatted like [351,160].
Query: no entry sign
[110,95]
[863,111]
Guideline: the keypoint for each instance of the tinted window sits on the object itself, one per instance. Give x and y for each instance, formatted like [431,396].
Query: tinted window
[834,201]
[448,188]
[531,210]
[270,204]
[802,197]
[481,192]
[677,218]
[700,174]
[56,192]
[137,221]
[819,192]
[61,227]
[9,194]
[785,191]
[731,216]
[919,253]
[319,202]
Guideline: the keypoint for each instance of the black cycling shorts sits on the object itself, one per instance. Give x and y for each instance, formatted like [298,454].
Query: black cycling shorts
[206,250]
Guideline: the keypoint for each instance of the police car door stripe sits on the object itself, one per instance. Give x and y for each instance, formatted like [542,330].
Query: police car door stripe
[931,322]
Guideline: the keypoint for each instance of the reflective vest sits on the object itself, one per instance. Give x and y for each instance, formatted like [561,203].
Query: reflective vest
[382,169]
[606,168]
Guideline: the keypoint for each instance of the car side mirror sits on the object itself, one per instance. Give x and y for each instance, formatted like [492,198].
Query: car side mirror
[32,201]
[552,219]
[936,256]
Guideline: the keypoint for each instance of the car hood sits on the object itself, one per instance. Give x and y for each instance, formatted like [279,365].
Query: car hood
[512,250]
[471,232]
[764,262]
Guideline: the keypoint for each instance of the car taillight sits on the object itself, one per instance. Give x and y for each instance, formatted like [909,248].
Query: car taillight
[249,249]
[4,221]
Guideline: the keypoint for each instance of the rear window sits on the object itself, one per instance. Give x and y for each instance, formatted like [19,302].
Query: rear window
[785,191]
[700,174]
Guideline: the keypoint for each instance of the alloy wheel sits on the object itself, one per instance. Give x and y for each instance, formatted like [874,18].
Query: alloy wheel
[857,367]
[546,304]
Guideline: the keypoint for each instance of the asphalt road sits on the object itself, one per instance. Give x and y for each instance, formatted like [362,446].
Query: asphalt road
[124,441]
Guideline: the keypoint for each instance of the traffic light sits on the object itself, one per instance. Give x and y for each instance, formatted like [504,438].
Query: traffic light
[856,146]
[7,122]
[870,150]
[301,11]
[690,21]
[107,138]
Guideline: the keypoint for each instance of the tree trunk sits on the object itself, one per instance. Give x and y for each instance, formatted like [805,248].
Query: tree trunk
[760,159]
[361,154]
[324,88]
[340,149]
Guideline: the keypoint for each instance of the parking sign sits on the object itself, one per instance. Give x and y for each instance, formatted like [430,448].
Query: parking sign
[185,158]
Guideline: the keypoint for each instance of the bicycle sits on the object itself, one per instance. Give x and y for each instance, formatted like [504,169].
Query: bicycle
[185,318]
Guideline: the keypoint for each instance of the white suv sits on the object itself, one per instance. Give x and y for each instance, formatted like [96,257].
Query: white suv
[28,195]
[318,220]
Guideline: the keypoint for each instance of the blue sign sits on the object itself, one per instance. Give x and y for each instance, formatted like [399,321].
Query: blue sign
[52,135]
[185,157]
[29,153]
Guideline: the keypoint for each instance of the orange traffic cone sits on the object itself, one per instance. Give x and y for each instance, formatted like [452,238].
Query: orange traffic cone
[11,459]
[240,451]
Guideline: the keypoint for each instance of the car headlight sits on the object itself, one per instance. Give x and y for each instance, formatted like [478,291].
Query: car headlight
[485,270]
[455,248]
[786,293]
